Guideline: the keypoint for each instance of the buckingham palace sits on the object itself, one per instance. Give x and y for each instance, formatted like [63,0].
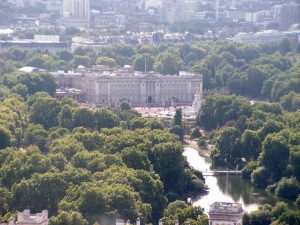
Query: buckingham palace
[107,87]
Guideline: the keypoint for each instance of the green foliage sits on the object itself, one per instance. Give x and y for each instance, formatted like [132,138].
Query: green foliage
[260,177]
[35,134]
[250,144]
[179,131]
[21,90]
[65,55]
[105,118]
[45,111]
[5,137]
[195,133]
[290,102]
[279,214]
[168,63]
[143,63]
[79,60]
[41,191]
[226,150]
[289,188]
[65,117]
[177,121]
[274,156]
[184,213]
[35,82]
[68,218]
[106,61]
[72,31]
[217,110]
[78,173]
[248,170]
[83,117]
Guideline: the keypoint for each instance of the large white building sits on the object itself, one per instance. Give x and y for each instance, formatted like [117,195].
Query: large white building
[76,13]
[266,36]
[108,87]
[225,213]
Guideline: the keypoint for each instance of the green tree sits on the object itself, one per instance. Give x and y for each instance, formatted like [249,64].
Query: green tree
[136,159]
[41,191]
[177,121]
[125,106]
[105,118]
[65,56]
[5,198]
[291,101]
[226,151]
[250,144]
[184,213]
[143,62]
[179,131]
[5,137]
[45,111]
[196,133]
[72,31]
[288,188]
[79,60]
[35,134]
[284,46]
[65,117]
[21,90]
[110,62]
[68,218]
[66,145]
[167,63]
[84,117]
[275,155]
[261,177]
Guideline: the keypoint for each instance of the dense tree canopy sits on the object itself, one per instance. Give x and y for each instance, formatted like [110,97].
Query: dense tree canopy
[85,165]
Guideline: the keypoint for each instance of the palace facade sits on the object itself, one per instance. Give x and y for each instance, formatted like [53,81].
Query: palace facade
[107,87]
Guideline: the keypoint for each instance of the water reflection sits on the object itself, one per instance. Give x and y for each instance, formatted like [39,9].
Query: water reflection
[230,188]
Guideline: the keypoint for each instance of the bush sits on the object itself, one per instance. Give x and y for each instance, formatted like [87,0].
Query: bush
[297,203]
[260,177]
[288,188]
[196,133]
[248,170]
[202,142]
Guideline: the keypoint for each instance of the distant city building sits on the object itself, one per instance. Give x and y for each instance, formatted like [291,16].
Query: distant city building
[225,213]
[264,36]
[30,69]
[44,43]
[76,13]
[26,218]
[289,14]
[5,33]
[107,87]
[109,20]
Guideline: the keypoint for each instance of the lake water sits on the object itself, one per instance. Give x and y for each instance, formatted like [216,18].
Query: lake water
[228,188]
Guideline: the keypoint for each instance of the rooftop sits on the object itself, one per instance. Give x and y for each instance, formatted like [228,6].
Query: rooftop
[226,208]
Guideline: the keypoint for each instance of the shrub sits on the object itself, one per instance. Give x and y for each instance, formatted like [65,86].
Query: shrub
[196,133]
[260,177]
[288,188]
[248,170]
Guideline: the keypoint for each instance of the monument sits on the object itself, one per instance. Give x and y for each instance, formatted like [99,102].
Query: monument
[225,213]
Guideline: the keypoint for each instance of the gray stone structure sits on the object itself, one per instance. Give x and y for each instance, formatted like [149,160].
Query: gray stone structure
[107,87]
[226,213]
[26,218]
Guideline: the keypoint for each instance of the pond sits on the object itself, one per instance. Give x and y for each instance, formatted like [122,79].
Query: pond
[228,188]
